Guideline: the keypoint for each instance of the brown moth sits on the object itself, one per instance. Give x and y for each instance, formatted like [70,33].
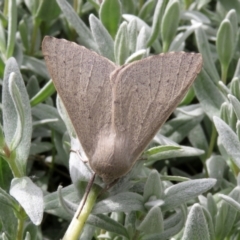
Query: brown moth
[117,110]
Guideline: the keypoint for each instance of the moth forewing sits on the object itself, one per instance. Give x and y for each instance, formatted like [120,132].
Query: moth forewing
[146,92]
[82,79]
[116,111]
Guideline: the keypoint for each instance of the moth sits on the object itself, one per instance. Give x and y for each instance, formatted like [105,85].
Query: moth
[117,110]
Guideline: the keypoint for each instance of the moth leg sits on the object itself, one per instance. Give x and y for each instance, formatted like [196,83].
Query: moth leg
[79,155]
[142,158]
[89,186]
[107,187]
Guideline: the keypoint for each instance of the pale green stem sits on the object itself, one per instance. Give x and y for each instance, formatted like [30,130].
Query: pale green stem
[210,148]
[165,46]
[36,24]
[20,226]
[224,72]
[76,226]
[10,158]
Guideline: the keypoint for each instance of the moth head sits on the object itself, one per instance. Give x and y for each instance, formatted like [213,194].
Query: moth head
[110,160]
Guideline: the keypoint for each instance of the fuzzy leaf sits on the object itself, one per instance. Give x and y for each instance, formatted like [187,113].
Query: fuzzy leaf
[102,38]
[122,202]
[121,50]
[138,55]
[153,222]
[236,105]
[147,8]
[44,111]
[107,223]
[216,166]
[167,152]
[169,23]
[182,192]
[225,42]
[172,225]
[8,220]
[157,19]
[85,36]
[51,201]
[110,15]
[232,202]
[30,198]
[180,39]
[226,215]
[142,39]
[204,49]
[208,94]
[196,226]
[35,65]
[47,11]
[132,33]
[12,27]
[199,140]
[235,87]
[228,139]
[153,186]
[178,128]
[10,116]
[17,101]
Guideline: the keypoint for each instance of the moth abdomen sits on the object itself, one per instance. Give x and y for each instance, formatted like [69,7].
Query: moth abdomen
[111,159]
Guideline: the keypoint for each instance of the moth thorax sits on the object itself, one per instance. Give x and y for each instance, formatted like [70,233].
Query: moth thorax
[110,160]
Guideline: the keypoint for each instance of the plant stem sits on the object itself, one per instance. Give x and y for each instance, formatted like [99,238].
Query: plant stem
[52,164]
[75,5]
[36,24]
[11,160]
[212,142]
[20,227]
[5,8]
[76,226]
[224,72]
[210,148]
[165,46]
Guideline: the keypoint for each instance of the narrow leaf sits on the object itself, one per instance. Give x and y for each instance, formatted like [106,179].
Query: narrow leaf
[85,36]
[132,33]
[122,202]
[153,186]
[16,98]
[121,49]
[225,42]
[102,38]
[142,39]
[44,111]
[204,49]
[157,19]
[167,152]
[105,222]
[228,139]
[138,55]
[208,94]
[182,192]
[110,15]
[46,91]
[12,27]
[169,23]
